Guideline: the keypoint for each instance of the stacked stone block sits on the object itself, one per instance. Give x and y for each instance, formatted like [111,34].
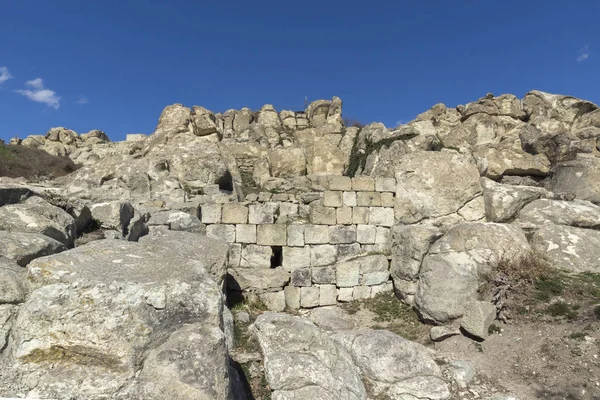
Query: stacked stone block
[313,249]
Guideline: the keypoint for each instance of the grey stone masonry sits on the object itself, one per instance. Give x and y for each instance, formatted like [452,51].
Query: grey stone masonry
[321,215]
[309,296]
[340,183]
[349,199]
[332,199]
[211,213]
[385,184]
[295,235]
[271,235]
[360,215]
[316,234]
[295,258]
[368,199]
[225,233]
[324,254]
[342,234]
[344,215]
[262,213]
[365,234]
[245,233]
[234,213]
[381,216]
[363,184]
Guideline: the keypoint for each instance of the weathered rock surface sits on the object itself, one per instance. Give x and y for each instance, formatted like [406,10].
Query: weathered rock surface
[579,213]
[457,263]
[24,247]
[394,366]
[580,177]
[302,362]
[12,282]
[567,247]
[39,216]
[502,202]
[477,318]
[93,309]
[434,184]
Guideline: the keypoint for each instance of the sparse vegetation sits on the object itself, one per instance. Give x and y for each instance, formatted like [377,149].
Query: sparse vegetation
[354,123]
[494,329]
[395,316]
[33,164]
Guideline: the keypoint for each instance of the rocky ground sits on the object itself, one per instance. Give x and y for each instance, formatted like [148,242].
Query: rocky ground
[284,255]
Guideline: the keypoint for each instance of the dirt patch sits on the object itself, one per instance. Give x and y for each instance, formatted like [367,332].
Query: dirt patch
[33,164]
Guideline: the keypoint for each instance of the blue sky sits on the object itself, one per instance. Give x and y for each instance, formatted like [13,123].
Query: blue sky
[114,65]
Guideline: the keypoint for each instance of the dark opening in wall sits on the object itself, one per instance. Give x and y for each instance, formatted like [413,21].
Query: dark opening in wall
[226,182]
[277,256]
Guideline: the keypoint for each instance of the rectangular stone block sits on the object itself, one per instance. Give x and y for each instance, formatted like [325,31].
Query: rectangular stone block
[271,235]
[292,297]
[332,199]
[347,274]
[342,234]
[316,234]
[368,199]
[374,270]
[295,235]
[387,200]
[363,184]
[366,234]
[383,236]
[234,213]
[385,184]
[320,215]
[211,190]
[222,232]
[345,294]
[295,258]
[376,248]
[280,197]
[288,212]
[309,296]
[361,293]
[321,255]
[254,256]
[235,254]
[383,216]
[349,199]
[360,215]
[327,295]
[301,277]
[211,213]
[340,183]
[245,233]
[323,275]
[344,215]
[259,214]
[274,301]
[347,251]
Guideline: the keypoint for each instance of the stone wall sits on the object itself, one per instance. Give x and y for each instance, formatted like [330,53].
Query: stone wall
[309,250]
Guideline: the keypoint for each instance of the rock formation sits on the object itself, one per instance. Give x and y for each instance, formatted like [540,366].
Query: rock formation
[114,279]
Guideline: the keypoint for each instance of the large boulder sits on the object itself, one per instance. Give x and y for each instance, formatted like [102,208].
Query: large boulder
[579,213]
[580,177]
[456,265]
[434,184]
[212,252]
[303,362]
[12,283]
[502,202]
[395,367]
[38,216]
[98,312]
[570,248]
[24,247]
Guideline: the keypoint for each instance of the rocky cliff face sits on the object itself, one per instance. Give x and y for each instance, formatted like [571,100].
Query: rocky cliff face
[115,278]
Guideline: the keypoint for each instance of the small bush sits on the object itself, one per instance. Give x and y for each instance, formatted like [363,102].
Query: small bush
[527,268]
[561,309]
[351,122]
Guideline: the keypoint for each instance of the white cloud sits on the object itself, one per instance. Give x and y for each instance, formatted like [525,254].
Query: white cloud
[584,54]
[82,100]
[39,94]
[4,75]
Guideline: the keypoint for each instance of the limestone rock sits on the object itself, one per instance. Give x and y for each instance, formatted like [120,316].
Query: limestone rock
[302,362]
[579,213]
[478,317]
[24,247]
[191,364]
[203,121]
[433,184]
[39,216]
[93,308]
[451,273]
[287,162]
[439,333]
[393,364]
[253,279]
[496,161]
[570,248]
[580,177]
[113,215]
[12,282]
[502,202]
[409,246]
[213,253]
[177,221]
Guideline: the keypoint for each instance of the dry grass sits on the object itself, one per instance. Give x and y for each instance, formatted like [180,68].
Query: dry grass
[33,164]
